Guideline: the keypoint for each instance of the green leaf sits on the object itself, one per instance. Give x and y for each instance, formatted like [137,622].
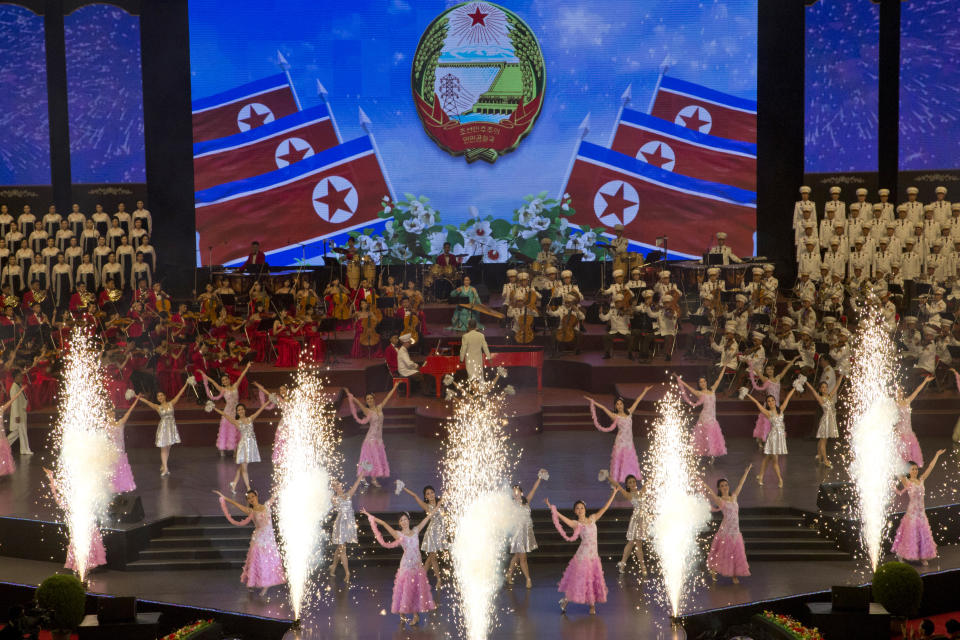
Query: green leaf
[500,228]
[454,237]
[542,195]
[410,197]
[423,199]
[529,247]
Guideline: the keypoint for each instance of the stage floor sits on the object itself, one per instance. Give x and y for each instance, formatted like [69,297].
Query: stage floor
[574,457]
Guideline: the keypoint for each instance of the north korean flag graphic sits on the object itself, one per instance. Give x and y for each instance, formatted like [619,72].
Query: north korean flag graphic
[328,193]
[706,111]
[609,188]
[669,146]
[243,108]
[272,146]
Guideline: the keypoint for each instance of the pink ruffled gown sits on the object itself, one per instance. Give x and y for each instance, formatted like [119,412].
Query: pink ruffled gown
[727,555]
[121,478]
[623,458]
[914,540]
[411,589]
[263,567]
[227,436]
[707,436]
[909,445]
[97,556]
[582,581]
[762,428]
[372,451]
[7,465]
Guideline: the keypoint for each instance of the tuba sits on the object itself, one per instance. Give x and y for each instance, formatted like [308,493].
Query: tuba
[114,295]
[40,296]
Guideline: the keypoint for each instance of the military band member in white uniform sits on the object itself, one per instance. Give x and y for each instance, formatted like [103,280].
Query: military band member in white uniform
[886,205]
[840,205]
[941,206]
[826,227]
[509,286]
[807,217]
[712,284]
[723,250]
[618,285]
[809,260]
[619,243]
[546,257]
[619,328]
[914,206]
[663,286]
[566,286]
[799,204]
[570,306]
[806,236]
[911,262]
[954,222]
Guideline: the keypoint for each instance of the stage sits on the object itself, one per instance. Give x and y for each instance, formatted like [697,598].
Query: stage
[573,456]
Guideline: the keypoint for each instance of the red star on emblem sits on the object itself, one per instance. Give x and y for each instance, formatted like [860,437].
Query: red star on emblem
[255,119]
[477,17]
[335,200]
[657,158]
[616,203]
[294,155]
[693,121]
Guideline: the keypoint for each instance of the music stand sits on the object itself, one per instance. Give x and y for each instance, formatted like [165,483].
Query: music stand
[713,259]
[954,351]
[228,299]
[728,296]
[329,327]
[922,288]
[895,289]
[760,319]
[822,348]
[282,301]
[946,315]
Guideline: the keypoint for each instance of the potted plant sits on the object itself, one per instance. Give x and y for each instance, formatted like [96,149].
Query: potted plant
[899,588]
[63,596]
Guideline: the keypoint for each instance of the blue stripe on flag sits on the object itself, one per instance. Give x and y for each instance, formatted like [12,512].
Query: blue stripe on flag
[257,86]
[310,250]
[265,131]
[649,173]
[316,162]
[676,131]
[708,94]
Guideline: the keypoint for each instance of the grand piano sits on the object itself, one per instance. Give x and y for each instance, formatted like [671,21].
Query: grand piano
[504,356]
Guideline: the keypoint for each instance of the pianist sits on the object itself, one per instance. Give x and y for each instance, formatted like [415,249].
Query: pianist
[407,368]
[256,261]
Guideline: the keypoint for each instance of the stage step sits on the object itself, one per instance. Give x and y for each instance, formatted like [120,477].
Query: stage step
[209,542]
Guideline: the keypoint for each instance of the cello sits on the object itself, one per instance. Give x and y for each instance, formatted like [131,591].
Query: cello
[368,334]
[411,323]
[524,332]
[566,332]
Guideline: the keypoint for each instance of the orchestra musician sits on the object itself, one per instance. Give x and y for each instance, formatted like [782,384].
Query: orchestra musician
[256,259]
[723,250]
[447,258]
[462,316]
[570,325]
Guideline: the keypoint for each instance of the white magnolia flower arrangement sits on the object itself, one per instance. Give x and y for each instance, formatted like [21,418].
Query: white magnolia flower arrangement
[543,474]
[400,487]
[604,475]
[799,382]
[209,406]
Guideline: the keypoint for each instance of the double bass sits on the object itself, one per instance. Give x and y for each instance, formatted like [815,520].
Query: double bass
[411,324]
[524,332]
[567,331]
[368,335]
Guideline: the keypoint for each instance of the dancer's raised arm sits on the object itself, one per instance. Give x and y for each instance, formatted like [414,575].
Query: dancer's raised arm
[424,522]
[786,401]
[213,382]
[423,505]
[245,509]
[353,489]
[536,485]
[936,456]
[153,406]
[762,408]
[176,398]
[716,384]
[597,404]
[389,395]
[567,521]
[603,509]
[816,396]
[122,420]
[743,479]
[639,398]
[919,388]
[787,368]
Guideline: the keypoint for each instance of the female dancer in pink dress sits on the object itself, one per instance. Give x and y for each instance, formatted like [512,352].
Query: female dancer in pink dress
[411,589]
[7,465]
[770,386]
[707,436]
[372,450]
[227,435]
[122,477]
[263,567]
[914,540]
[909,445]
[435,537]
[727,555]
[582,581]
[97,555]
[776,444]
[623,458]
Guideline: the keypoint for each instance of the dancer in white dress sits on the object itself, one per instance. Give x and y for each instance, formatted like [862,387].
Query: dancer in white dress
[827,399]
[167,434]
[344,526]
[776,444]
[523,541]
[637,527]
[247,449]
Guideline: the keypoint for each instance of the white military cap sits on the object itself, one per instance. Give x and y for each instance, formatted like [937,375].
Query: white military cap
[618,227]
[830,206]
[635,270]
[666,298]
[546,241]
[713,271]
[804,189]
[804,274]
[927,208]
[664,274]
[884,192]
[929,331]
[839,224]
[909,240]
[551,270]
[721,235]
[940,189]
[807,206]
[511,273]
[647,293]
[901,207]
[787,320]
[912,191]
[617,272]
[884,240]
[768,267]
[939,291]
[809,241]
[758,271]
[758,335]
[566,273]
[834,189]
[878,207]
[861,191]
[891,224]
[893,263]
[406,337]
[910,319]
[741,298]
[855,206]
[808,225]
[955,206]
[524,275]
[835,240]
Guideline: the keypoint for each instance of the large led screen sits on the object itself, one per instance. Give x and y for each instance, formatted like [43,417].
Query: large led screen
[491,126]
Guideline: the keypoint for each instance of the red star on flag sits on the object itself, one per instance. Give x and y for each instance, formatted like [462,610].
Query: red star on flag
[335,200]
[255,119]
[693,121]
[657,159]
[616,203]
[478,17]
[293,155]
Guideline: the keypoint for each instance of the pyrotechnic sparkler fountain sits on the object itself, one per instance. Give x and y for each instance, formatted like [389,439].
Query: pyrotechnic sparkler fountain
[476,469]
[301,481]
[874,460]
[86,455]
[677,513]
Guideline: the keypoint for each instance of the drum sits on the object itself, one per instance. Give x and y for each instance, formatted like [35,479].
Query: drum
[370,271]
[447,271]
[537,267]
[353,274]
[620,261]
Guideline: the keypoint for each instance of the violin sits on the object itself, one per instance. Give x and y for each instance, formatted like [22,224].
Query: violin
[369,336]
